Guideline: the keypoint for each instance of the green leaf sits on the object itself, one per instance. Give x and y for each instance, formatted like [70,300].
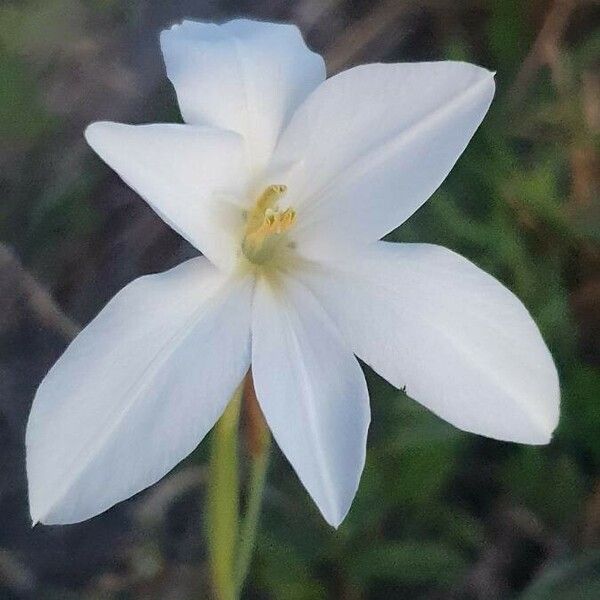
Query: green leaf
[551,487]
[580,425]
[22,117]
[284,573]
[407,562]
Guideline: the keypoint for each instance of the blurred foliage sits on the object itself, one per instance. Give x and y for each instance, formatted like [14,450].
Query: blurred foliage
[439,513]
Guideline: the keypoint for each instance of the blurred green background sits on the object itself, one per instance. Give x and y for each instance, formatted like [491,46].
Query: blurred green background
[439,513]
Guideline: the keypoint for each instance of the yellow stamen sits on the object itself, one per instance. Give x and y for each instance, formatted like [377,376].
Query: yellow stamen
[266,224]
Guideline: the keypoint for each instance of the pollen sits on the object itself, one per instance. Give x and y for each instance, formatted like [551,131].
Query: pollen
[267,225]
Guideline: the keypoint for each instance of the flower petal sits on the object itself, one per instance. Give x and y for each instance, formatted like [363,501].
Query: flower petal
[247,76]
[312,392]
[462,344]
[136,391]
[184,173]
[374,143]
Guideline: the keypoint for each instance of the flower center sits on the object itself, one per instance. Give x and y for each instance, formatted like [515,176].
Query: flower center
[266,226]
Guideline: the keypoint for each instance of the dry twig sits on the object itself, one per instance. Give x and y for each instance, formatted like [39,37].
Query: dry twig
[545,49]
[352,42]
[36,296]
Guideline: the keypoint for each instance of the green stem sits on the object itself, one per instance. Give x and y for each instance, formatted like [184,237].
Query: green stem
[249,528]
[222,504]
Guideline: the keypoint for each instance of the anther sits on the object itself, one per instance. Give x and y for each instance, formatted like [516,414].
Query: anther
[265,225]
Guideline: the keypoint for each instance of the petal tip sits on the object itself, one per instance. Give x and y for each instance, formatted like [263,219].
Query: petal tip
[89,130]
[169,30]
[334,520]
[542,432]
[37,513]
[541,439]
[94,131]
[36,517]
[335,515]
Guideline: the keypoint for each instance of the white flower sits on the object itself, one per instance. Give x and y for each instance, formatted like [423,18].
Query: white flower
[286,182]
